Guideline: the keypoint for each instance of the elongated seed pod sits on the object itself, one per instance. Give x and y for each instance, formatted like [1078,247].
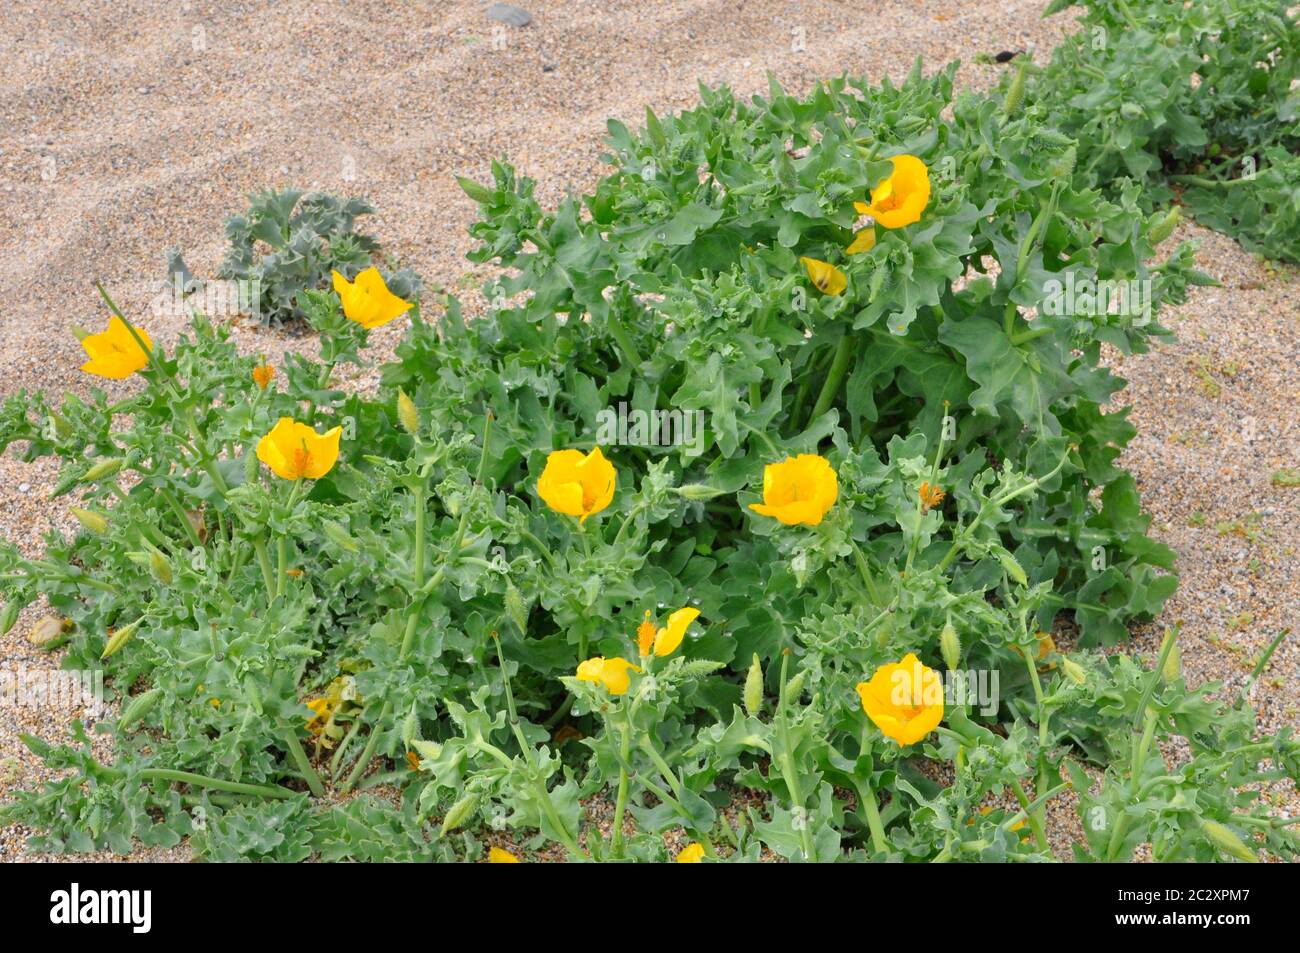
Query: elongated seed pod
[139,706]
[104,468]
[1016,92]
[1223,837]
[90,519]
[460,812]
[754,688]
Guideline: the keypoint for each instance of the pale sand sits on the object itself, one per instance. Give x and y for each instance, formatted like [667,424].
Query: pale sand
[138,127]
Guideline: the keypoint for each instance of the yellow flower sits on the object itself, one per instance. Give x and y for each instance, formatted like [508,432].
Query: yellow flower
[645,635]
[498,856]
[828,279]
[413,761]
[577,484]
[323,708]
[863,241]
[367,300]
[904,700]
[262,375]
[668,638]
[1046,646]
[115,352]
[798,490]
[931,496]
[293,450]
[900,199]
[692,853]
[610,672]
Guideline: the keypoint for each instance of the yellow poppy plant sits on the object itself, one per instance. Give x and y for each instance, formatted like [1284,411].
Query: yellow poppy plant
[692,853]
[668,638]
[610,672]
[294,451]
[367,300]
[798,490]
[900,199]
[904,699]
[576,483]
[828,279]
[115,352]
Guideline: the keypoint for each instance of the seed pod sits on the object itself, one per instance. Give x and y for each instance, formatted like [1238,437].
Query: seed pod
[162,569]
[1164,226]
[1223,837]
[121,637]
[340,536]
[950,646]
[1173,666]
[90,519]
[48,632]
[515,607]
[407,415]
[139,706]
[754,688]
[1016,92]
[1074,671]
[460,812]
[104,468]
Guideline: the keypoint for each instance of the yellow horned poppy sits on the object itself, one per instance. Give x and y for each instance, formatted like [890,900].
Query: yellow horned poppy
[692,853]
[904,700]
[798,490]
[367,300]
[610,672]
[930,495]
[576,483]
[115,352]
[668,638]
[900,199]
[293,450]
[498,856]
[828,279]
[262,375]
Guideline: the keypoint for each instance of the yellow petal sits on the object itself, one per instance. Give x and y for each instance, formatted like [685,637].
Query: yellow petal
[692,853]
[670,637]
[798,490]
[115,353]
[826,277]
[498,856]
[863,241]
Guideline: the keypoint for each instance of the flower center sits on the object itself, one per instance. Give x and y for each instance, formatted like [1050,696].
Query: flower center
[301,460]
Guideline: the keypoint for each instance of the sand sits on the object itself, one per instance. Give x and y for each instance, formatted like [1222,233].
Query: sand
[137,127]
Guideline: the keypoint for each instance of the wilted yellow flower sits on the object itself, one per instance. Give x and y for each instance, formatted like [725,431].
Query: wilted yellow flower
[900,199]
[262,375]
[1046,646]
[645,635]
[668,638]
[904,700]
[413,761]
[828,279]
[498,856]
[367,300]
[610,672]
[692,853]
[115,352]
[798,490]
[323,709]
[293,450]
[931,496]
[576,483]
[863,242]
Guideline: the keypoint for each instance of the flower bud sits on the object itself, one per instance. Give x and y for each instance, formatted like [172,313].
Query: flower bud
[139,706]
[515,607]
[754,688]
[62,428]
[460,812]
[90,520]
[1165,225]
[339,536]
[794,687]
[1074,671]
[1173,666]
[1223,837]
[162,569]
[121,637]
[1016,91]
[950,646]
[48,632]
[1013,568]
[698,491]
[407,415]
[104,468]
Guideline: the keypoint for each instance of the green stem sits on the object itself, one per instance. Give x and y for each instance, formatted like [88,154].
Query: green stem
[300,760]
[234,787]
[787,765]
[835,377]
[620,805]
[867,797]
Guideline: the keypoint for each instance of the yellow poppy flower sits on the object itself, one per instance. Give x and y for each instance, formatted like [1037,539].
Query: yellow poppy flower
[692,853]
[293,450]
[367,300]
[576,483]
[900,199]
[262,375]
[498,856]
[930,496]
[904,700]
[669,637]
[798,490]
[323,708]
[863,241]
[828,279]
[610,672]
[115,352]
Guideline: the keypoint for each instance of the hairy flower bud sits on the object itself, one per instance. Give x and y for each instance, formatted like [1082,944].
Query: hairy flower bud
[1173,666]
[697,491]
[515,607]
[339,536]
[1226,840]
[90,519]
[1016,91]
[1165,225]
[120,637]
[950,646]
[104,468]
[162,569]
[407,415]
[754,688]
[1074,671]
[460,812]
[139,706]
